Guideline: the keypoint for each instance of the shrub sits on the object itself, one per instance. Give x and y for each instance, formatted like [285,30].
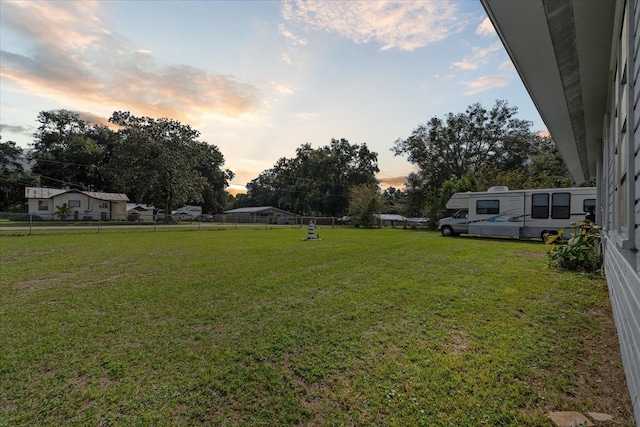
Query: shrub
[581,252]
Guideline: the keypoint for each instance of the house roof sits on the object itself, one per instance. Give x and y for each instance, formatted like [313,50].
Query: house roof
[562,51]
[47,193]
[391,217]
[139,207]
[258,209]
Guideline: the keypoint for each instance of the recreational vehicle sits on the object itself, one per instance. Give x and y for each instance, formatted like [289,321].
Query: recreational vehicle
[518,213]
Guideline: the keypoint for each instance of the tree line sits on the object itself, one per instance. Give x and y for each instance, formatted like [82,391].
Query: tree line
[156,161]
[163,162]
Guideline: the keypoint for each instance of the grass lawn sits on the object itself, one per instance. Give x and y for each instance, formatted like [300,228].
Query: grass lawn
[257,327]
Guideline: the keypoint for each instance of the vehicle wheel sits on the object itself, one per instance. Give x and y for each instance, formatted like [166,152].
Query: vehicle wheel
[447,231]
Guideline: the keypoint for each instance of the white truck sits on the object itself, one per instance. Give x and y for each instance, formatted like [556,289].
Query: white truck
[187,213]
[522,214]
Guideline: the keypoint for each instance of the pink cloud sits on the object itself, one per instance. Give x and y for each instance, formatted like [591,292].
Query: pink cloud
[71,56]
[485,83]
[393,24]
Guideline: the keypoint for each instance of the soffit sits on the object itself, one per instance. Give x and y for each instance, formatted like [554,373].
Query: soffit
[562,51]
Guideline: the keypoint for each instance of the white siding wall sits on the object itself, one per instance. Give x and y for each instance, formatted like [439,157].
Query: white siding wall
[620,177]
[34,208]
[88,209]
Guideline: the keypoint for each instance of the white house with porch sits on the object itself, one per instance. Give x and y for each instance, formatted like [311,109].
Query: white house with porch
[580,62]
[83,205]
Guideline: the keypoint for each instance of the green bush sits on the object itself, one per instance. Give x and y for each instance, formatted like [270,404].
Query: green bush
[581,252]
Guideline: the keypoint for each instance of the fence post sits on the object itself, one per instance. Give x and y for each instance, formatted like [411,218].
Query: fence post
[30,223]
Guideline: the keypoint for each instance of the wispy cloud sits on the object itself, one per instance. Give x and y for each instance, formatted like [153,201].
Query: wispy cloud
[486,28]
[286,58]
[305,116]
[292,38]
[16,129]
[282,89]
[68,54]
[478,57]
[294,43]
[95,119]
[485,83]
[506,66]
[393,24]
[396,181]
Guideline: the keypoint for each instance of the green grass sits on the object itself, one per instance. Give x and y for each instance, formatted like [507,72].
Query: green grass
[257,327]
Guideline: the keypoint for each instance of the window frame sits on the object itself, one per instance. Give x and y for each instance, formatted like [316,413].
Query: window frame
[490,209]
[545,206]
[560,211]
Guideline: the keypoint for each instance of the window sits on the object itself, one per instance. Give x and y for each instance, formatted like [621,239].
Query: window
[104,205]
[43,205]
[461,215]
[74,203]
[540,206]
[486,207]
[561,205]
[589,206]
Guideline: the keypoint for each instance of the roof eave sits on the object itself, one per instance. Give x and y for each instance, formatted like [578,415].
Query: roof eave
[562,52]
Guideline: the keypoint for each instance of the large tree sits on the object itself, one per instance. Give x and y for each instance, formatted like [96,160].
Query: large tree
[70,152]
[547,169]
[13,177]
[316,181]
[478,141]
[365,204]
[160,161]
[393,201]
[210,162]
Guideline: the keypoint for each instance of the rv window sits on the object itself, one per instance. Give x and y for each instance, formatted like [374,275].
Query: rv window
[540,206]
[484,207]
[561,205]
[589,205]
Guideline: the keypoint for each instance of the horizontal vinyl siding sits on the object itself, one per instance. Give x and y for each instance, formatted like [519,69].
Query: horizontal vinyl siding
[621,264]
[634,129]
[624,291]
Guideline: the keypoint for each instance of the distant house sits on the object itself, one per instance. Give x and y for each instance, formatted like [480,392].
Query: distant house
[261,214]
[140,212]
[384,220]
[83,205]
[391,220]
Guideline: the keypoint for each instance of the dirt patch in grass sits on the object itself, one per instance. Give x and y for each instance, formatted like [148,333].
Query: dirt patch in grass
[35,284]
[17,255]
[458,342]
[526,254]
[596,375]
[599,375]
[80,383]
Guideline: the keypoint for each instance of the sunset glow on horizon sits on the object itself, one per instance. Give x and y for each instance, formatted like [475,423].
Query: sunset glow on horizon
[257,79]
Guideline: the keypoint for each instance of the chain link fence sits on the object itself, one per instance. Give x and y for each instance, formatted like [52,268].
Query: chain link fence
[26,223]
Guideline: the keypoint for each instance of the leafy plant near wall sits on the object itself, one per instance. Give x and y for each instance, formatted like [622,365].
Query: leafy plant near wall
[63,211]
[581,252]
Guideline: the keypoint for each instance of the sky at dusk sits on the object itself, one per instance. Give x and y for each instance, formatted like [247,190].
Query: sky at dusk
[256,78]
